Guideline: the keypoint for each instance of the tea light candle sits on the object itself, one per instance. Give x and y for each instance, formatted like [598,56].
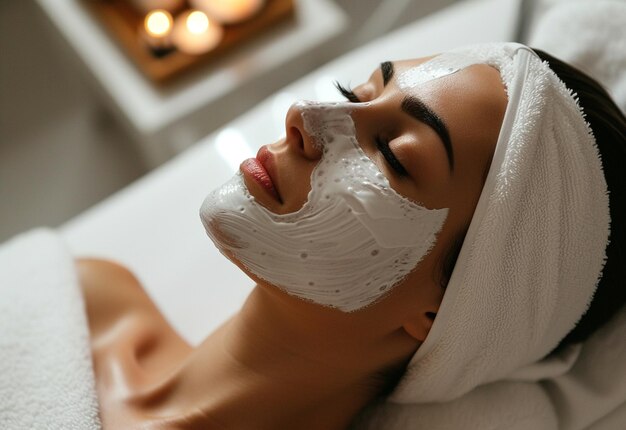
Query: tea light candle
[157,29]
[229,11]
[194,33]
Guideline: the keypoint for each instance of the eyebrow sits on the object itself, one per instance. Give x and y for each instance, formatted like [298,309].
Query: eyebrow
[386,68]
[419,110]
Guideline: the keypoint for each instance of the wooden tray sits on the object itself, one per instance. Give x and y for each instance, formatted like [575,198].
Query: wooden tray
[123,22]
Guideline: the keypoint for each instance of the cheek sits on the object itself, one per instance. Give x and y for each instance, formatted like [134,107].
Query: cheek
[429,179]
[466,195]
[297,180]
[416,157]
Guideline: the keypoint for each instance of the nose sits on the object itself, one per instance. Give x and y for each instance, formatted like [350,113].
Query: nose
[297,137]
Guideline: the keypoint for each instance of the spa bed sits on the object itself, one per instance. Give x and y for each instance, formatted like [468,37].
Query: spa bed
[152,226]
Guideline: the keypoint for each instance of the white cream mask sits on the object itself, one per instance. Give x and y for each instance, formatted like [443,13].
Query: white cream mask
[351,242]
[442,65]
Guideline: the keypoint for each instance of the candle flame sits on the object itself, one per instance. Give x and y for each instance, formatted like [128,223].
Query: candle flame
[158,22]
[197,22]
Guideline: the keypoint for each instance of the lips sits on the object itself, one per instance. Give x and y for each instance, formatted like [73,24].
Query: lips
[259,169]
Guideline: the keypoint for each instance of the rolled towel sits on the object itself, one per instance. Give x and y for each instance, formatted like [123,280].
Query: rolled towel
[590,35]
[535,247]
[46,375]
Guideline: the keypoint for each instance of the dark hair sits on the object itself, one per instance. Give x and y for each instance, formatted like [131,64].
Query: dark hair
[609,128]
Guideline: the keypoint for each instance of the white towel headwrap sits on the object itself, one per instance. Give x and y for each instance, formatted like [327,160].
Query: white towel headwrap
[535,247]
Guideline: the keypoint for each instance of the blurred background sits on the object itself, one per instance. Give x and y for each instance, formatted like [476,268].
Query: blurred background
[64,145]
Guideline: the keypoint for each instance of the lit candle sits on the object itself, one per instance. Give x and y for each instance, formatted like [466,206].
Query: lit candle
[145,6]
[194,33]
[229,11]
[157,29]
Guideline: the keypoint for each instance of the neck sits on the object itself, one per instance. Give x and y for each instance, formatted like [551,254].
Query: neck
[270,367]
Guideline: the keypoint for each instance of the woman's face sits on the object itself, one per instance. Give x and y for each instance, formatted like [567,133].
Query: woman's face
[440,137]
[431,142]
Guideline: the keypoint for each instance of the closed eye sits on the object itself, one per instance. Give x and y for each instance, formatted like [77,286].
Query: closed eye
[347,93]
[383,147]
[381,144]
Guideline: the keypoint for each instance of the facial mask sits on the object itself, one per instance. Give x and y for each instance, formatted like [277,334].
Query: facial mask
[442,65]
[351,242]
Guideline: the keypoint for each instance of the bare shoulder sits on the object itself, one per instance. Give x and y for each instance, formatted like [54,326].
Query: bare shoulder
[92,269]
[103,277]
[110,291]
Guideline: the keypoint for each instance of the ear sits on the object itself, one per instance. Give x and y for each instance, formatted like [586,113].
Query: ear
[419,325]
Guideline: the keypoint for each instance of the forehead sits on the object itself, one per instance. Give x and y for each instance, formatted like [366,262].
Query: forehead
[478,83]
[471,101]
[475,90]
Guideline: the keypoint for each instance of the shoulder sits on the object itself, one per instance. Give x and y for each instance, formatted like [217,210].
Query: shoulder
[104,278]
[94,270]
[110,291]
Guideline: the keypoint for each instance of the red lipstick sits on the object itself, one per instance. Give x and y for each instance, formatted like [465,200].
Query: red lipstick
[255,168]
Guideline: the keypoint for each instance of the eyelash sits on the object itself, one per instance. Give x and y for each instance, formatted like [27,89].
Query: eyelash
[381,144]
[347,93]
[383,147]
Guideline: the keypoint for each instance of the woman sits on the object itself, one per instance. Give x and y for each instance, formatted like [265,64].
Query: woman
[285,362]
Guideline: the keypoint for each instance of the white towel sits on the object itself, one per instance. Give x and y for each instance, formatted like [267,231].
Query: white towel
[535,247]
[46,374]
[592,395]
[590,35]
